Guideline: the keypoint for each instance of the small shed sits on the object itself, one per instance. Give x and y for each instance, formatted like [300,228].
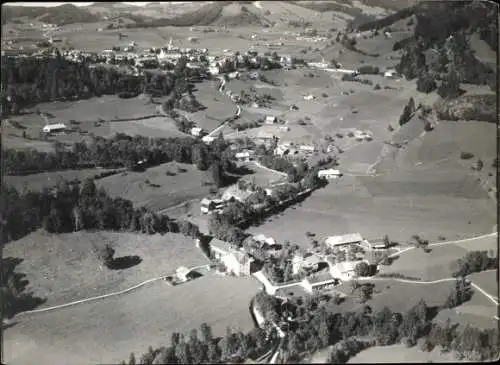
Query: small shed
[270,119]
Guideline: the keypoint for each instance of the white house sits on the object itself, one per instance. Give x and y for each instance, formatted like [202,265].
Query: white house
[214,70]
[281,150]
[182,273]
[343,241]
[390,73]
[270,119]
[233,75]
[329,174]
[208,139]
[238,263]
[51,128]
[318,282]
[307,148]
[265,240]
[196,131]
[208,206]
[244,156]
[344,271]
[309,97]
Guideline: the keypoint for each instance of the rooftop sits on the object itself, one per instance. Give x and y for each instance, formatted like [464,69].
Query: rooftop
[343,239]
[321,276]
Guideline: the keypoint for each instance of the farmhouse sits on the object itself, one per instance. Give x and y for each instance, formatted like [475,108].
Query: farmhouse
[196,131]
[236,262]
[321,281]
[245,156]
[307,148]
[208,139]
[234,75]
[281,150]
[214,70]
[344,241]
[329,174]
[210,205]
[182,273]
[309,97]
[267,242]
[390,73]
[234,192]
[344,270]
[271,119]
[51,128]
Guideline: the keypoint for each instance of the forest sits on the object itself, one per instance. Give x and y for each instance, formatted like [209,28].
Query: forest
[31,80]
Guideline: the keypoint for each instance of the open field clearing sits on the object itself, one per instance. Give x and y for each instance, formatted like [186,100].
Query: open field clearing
[400,354]
[262,176]
[50,179]
[486,281]
[481,244]
[107,331]
[158,127]
[434,265]
[163,191]
[63,267]
[18,143]
[219,107]
[346,205]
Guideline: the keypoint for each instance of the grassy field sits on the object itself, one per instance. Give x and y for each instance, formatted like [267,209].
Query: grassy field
[172,190]
[347,205]
[486,281]
[138,113]
[400,354]
[50,179]
[63,268]
[430,266]
[16,142]
[481,244]
[108,330]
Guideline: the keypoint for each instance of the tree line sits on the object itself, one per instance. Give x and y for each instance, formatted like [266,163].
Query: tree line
[72,207]
[120,151]
[474,261]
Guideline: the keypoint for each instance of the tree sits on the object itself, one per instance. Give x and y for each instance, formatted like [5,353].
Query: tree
[450,87]
[365,293]
[131,360]
[362,269]
[217,173]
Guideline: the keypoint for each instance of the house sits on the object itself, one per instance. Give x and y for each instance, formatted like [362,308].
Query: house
[208,206]
[52,128]
[254,75]
[309,97]
[214,70]
[344,241]
[329,174]
[182,273]
[208,139]
[244,156]
[234,75]
[234,192]
[345,270]
[281,150]
[196,131]
[307,148]
[237,262]
[266,241]
[271,119]
[378,245]
[390,73]
[320,281]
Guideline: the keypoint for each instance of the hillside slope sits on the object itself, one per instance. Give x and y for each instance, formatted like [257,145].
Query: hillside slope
[59,15]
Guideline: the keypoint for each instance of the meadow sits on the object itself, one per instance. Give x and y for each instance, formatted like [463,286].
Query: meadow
[63,267]
[107,331]
[164,188]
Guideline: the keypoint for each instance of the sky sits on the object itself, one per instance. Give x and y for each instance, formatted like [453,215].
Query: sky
[21,3]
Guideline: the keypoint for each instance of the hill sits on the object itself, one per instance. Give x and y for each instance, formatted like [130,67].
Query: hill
[59,15]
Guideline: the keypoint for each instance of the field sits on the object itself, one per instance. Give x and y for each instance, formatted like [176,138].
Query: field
[12,140]
[135,116]
[352,204]
[487,281]
[481,244]
[108,330]
[400,354]
[50,179]
[63,268]
[430,266]
[167,190]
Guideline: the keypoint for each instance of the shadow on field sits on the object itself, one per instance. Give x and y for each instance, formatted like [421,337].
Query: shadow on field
[15,298]
[124,262]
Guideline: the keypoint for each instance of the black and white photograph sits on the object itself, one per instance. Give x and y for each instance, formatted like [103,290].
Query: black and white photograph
[249,182]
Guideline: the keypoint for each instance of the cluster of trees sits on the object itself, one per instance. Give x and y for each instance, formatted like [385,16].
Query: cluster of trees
[30,80]
[120,151]
[247,125]
[295,173]
[474,261]
[70,207]
[201,346]
[460,293]
[445,29]
[346,349]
